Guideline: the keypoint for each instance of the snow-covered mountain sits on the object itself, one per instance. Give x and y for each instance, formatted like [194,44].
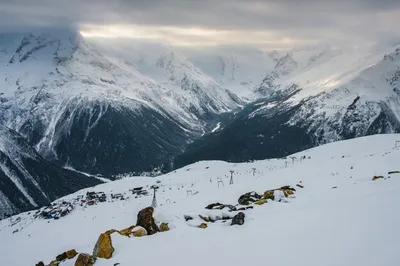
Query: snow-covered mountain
[81,109]
[342,212]
[310,99]
[237,70]
[27,180]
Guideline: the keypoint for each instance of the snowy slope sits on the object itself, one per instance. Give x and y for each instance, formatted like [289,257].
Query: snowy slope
[79,108]
[27,180]
[340,217]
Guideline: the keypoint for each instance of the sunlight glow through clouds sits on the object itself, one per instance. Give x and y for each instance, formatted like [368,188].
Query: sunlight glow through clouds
[180,36]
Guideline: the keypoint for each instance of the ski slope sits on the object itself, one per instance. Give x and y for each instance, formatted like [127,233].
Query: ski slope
[340,217]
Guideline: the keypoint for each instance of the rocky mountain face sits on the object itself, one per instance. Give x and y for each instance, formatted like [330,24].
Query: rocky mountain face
[81,109]
[27,180]
[297,114]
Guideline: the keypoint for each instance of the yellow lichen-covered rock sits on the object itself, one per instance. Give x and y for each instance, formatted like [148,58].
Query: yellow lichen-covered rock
[260,202]
[205,218]
[288,192]
[203,226]
[127,231]
[139,231]
[164,227]
[71,253]
[85,260]
[103,248]
[269,195]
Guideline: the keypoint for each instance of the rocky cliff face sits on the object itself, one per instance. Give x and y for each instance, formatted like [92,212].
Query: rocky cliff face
[27,180]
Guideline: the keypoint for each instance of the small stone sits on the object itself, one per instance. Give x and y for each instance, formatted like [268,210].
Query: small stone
[203,226]
[377,177]
[248,198]
[40,263]
[300,186]
[205,218]
[85,260]
[215,206]
[62,257]
[71,253]
[238,219]
[288,192]
[139,231]
[187,218]
[164,227]
[260,202]
[127,231]
[269,195]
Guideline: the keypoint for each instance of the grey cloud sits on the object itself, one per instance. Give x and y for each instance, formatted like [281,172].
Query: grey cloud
[303,19]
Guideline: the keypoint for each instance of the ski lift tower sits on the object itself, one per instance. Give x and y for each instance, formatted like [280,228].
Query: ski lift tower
[231,181]
[254,171]
[397,144]
[154,203]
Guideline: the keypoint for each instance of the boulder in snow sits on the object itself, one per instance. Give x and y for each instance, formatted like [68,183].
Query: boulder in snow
[203,226]
[260,202]
[269,195]
[103,248]
[139,231]
[377,177]
[164,227]
[238,219]
[62,257]
[145,219]
[127,231]
[248,198]
[85,260]
[71,253]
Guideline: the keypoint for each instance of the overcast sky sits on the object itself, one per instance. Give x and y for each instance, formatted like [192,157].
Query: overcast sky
[262,23]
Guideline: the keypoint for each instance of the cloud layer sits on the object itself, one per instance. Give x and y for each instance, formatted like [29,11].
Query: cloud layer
[213,22]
